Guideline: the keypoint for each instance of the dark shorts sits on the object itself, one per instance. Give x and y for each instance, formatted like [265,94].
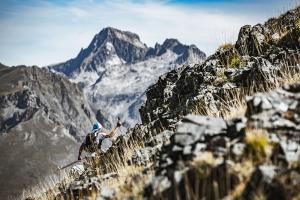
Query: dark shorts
[91,147]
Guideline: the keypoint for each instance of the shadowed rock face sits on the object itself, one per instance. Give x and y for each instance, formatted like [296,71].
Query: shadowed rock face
[116,69]
[43,116]
[204,152]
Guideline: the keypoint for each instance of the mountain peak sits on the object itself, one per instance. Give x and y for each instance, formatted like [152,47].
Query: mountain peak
[110,34]
[110,31]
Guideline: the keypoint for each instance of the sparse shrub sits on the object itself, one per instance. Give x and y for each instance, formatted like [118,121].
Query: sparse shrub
[203,163]
[134,186]
[199,107]
[257,145]
[235,60]
[229,56]
[297,23]
[222,75]
[226,46]
[260,195]
[222,78]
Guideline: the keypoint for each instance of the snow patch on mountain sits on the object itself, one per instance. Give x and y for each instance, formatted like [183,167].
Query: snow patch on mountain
[122,86]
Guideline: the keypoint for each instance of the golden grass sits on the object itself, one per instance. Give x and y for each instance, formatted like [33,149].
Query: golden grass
[206,158]
[235,60]
[235,105]
[49,187]
[132,182]
[226,46]
[260,195]
[258,147]
[113,161]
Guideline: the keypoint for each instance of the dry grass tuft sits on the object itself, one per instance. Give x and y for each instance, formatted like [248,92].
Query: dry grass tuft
[132,185]
[257,147]
[226,46]
[234,104]
[114,160]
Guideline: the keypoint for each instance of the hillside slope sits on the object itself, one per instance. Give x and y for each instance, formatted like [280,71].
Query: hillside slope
[185,149]
[42,118]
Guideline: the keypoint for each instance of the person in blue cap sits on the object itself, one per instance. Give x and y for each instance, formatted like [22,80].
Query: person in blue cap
[94,138]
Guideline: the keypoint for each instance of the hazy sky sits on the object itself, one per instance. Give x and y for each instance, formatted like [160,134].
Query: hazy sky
[42,32]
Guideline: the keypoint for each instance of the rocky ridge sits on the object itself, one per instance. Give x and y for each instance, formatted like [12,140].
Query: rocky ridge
[260,59]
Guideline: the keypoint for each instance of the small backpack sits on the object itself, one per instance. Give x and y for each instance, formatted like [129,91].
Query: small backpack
[90,139]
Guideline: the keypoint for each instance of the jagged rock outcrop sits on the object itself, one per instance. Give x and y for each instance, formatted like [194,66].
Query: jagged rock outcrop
[261,58]
[281,31]
[43,116]
[116,69]
[203,158]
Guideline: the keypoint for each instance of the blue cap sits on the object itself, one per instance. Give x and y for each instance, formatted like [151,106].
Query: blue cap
[96,126]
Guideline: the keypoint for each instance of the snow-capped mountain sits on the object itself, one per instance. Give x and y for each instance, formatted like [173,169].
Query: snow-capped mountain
[116,69]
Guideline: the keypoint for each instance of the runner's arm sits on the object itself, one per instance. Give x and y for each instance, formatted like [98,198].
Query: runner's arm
[113,132]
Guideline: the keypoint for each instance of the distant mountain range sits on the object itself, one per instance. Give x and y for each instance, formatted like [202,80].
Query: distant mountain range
[116,69]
